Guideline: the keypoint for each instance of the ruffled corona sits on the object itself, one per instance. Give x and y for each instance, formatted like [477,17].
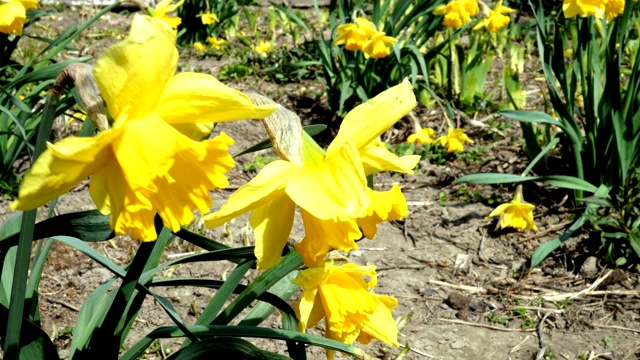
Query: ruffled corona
[13,14]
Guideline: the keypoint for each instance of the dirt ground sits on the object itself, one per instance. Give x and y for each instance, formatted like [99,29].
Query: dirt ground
[463,287]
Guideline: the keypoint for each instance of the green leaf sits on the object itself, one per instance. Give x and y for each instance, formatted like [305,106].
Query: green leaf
[34,342]
[224,348]
[531,117]
[86,225]
[563,181]
[283,289]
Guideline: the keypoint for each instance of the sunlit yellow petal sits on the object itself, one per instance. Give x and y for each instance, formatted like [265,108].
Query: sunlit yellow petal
[271,225]
[61,167]
[321,236]
[369,120]
[376,159]
[132,74]
[266,186]
[193,97]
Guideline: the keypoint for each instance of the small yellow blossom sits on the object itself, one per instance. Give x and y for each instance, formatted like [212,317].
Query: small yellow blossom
[340,294]
[198,46]
[457,12]
[378,46]
[423,136]
[262,48]
[454,140]
[496,19]
[13,14]
[165,7]
[208,18]
[355,36]
[150,161]
[584,8]
[216,43]
[516,214]
[613,8]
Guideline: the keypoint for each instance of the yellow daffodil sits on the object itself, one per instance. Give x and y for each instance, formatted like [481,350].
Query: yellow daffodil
[216,43]
[198,46]
[144,165]
[162,10]
[516,214]
[584,8]
[329,187]
[340,295]
[457,12]
[378,46]
[454,140]
[613,8]
[423,136]
[208,18]
[355,36]
[13,14]
[496,19]
[262,48]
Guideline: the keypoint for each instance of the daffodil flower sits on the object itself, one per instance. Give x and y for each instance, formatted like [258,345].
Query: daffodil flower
[613,8]
[496,19]
[13,14]
[262,48]
[423,136]
[454,140]
[198,46]
[457,12]
[145,164]
[208,18]
[516,214]
[162,10]
[584,8]
[340,294]
[354,36]
[215,42]
[378,46]
[330,188]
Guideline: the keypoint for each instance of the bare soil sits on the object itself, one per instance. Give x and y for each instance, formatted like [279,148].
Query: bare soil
[463,287]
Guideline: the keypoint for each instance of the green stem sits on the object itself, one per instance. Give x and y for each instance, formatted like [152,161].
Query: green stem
[19,284]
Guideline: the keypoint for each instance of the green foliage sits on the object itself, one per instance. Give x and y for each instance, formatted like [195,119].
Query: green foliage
[350,78]
[192,29]
[594,97]
[258,163]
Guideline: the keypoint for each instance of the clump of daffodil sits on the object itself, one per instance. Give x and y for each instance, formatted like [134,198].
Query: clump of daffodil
[422,136]
[496,19]
[198,46]
[516,214]
[162,11]
[457,12]
[340,295]
[208,18]
[584,8]
[215,42]
[13,14]
[354,35]
[150,161]
[262,48]
[454,140]
[362,35]
[613,8]
[329,187]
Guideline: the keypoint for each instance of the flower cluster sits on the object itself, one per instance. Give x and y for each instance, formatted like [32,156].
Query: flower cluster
[457,12]
[13,14]
[598,8]
[362,35]
[453,141]
[337,208]
[150,161]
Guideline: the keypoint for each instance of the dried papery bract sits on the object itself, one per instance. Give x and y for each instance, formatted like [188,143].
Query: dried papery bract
[81,76]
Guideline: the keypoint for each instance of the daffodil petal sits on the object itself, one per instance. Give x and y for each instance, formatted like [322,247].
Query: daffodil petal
[369,120]
[132,74]
[376,159]
[265,187]
[200,98]
[321,236]
[53,175]
[271,225]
